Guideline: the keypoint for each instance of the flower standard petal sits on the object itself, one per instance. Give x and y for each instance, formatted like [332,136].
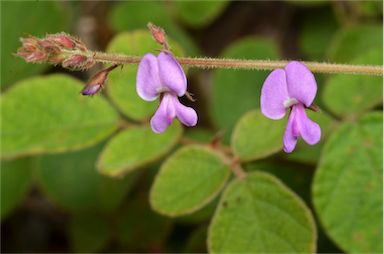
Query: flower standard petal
[273,95]
[309,130]
[164,114]
[185,114]
[172,76]
[300,82]
[147,79]
[291,132]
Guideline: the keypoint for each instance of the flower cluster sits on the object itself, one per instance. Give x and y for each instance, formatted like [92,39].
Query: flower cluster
[163,76]
[294,88]
[60,48]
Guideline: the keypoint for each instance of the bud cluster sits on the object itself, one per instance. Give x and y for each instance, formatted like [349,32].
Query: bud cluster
[60,48]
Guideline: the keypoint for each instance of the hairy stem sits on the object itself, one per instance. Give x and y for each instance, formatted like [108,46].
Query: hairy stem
[213,63]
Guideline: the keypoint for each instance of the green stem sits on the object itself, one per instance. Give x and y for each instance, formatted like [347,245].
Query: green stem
[223,63]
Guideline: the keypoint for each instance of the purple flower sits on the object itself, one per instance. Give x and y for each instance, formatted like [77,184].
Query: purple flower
[163,75]
[292,87]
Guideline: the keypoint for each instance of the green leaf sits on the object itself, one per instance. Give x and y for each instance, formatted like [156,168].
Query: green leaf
[15,182]
[88,233]
[256,136]
[352,41]
[19,19]
[237,91]
[48,115]
[260,214]
[199,13]
[72,181]
[136,147]
[351,95]
[296,177]
[140,229]
[121,87]
[142,12]
[188,180]
[348,186]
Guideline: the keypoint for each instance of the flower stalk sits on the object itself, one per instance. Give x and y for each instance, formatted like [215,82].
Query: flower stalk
[224,63]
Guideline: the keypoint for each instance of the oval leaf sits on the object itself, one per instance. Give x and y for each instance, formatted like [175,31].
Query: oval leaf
[122,82]
[199,13]
[349,41]
[348,193]
[259,214]
[48,115]
[136,147]
[188,180]
[72,181]
[256,136]
[348,95]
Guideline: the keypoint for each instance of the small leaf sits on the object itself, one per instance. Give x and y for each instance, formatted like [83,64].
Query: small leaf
[15,182]
[348,42]
[48,115]
[237,91]
[121,86]
[19,19]
[199,13]
[136,147]
[348,95]
[72,181]
[188,180]
[88,233]
[259,214]
[348,185]
[256,136]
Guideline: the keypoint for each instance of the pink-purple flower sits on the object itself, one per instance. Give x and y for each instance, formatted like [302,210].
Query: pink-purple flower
[293,87]
[163,76]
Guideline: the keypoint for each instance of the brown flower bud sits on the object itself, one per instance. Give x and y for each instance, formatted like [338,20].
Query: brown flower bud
[78,62]
[63,40]
[158,34]
[97,82]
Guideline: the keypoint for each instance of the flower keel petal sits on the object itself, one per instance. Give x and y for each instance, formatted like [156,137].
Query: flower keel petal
[185,114]
[309,130]
[291,133]
[164,115]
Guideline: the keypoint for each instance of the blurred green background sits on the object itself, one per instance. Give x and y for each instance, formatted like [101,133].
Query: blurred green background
[57,193]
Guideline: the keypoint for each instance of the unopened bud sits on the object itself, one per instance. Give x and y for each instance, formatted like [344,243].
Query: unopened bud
[97,82]
[158,34]
[78,62]
[63,40]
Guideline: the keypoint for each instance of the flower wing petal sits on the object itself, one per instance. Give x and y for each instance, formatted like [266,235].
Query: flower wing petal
[301,82]
[291,133]
[273,95]
[309,130]
[185,114]
[172,76]
[164,115]
[147,79]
